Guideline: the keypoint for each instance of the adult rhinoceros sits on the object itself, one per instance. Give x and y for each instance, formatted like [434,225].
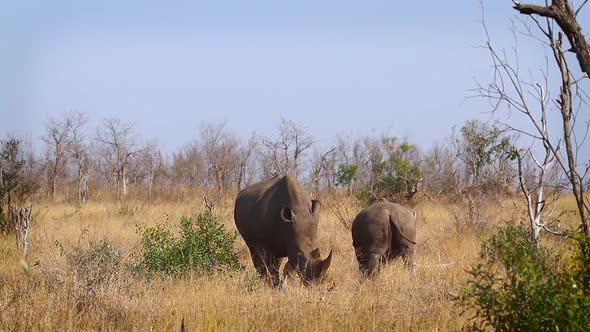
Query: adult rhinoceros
[278,219]
[381,232]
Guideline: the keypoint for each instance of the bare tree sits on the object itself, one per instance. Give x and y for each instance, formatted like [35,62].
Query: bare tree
[441,176]
[150,164]
[55,138]
[119,146]
[78,150]
[288,149]
[245,167]
[222,155]
[535,197]
[368,154]
[322,166]
[188,166]
[564,14]
[529,96]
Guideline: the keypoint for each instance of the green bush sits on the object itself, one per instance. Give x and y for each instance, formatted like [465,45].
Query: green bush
[201,246]
[346,174]
[520,286]
[397,176]
[18,182]
[395,173]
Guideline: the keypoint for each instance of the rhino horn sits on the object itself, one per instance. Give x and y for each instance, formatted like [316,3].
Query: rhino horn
[316,206]
[326,262]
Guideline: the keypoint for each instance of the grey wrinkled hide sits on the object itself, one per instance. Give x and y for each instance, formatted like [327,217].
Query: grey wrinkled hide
[277,219]
[381,232]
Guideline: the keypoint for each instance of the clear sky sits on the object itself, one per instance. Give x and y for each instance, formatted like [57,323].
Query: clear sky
[336,67]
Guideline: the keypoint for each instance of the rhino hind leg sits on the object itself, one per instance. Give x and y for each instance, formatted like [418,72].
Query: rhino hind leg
[408,256]
[400,246]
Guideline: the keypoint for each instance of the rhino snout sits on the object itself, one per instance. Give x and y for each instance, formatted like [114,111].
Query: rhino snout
[314,268]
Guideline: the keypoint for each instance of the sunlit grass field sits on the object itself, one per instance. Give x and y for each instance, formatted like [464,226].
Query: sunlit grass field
[52,298]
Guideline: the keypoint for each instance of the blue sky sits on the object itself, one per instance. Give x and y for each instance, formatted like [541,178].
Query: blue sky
[335,67]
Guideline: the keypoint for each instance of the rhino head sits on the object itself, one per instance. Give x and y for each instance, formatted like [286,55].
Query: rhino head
[304,256]
[311,269]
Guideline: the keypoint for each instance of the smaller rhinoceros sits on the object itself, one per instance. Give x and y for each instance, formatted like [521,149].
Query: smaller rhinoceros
[381,232]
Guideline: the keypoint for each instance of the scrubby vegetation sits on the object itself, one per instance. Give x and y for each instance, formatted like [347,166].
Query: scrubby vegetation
[203,245]
[82,274]
[520,285]
[80,263]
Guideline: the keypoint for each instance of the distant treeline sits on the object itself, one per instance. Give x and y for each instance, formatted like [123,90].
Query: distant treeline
[77,160]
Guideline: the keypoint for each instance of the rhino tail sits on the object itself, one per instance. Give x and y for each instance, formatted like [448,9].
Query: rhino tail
[394,223]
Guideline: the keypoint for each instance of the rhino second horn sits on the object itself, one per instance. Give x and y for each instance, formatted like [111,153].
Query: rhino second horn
[315,254]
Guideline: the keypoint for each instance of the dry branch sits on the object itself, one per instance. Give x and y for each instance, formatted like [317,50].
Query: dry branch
[565,16]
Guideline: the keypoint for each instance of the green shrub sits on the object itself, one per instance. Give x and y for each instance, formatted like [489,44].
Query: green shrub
[395,173]
[201,246]
[346,174]
[521,286]
[18,182]
[252,283]
[397,176]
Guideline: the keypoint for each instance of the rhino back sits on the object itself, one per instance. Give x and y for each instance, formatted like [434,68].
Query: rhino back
[257,210]
[370,230]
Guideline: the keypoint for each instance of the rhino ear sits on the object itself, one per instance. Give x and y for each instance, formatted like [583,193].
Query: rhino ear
[315,207]
[326,263]
[287,214]
[315,254]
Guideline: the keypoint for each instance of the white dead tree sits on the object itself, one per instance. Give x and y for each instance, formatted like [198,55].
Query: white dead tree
[535,197]
[22,216]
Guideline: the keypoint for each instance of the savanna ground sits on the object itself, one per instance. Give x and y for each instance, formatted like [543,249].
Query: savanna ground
[53,297]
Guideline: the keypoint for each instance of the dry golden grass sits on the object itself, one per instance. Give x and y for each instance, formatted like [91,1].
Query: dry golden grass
[53,299]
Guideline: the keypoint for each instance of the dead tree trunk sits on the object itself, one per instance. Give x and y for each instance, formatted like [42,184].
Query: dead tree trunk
[83,189]
[22,222]
[565,106]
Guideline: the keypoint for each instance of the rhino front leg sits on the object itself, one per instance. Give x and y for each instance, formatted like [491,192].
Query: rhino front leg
[374,261]
[266,265]
[274,263]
